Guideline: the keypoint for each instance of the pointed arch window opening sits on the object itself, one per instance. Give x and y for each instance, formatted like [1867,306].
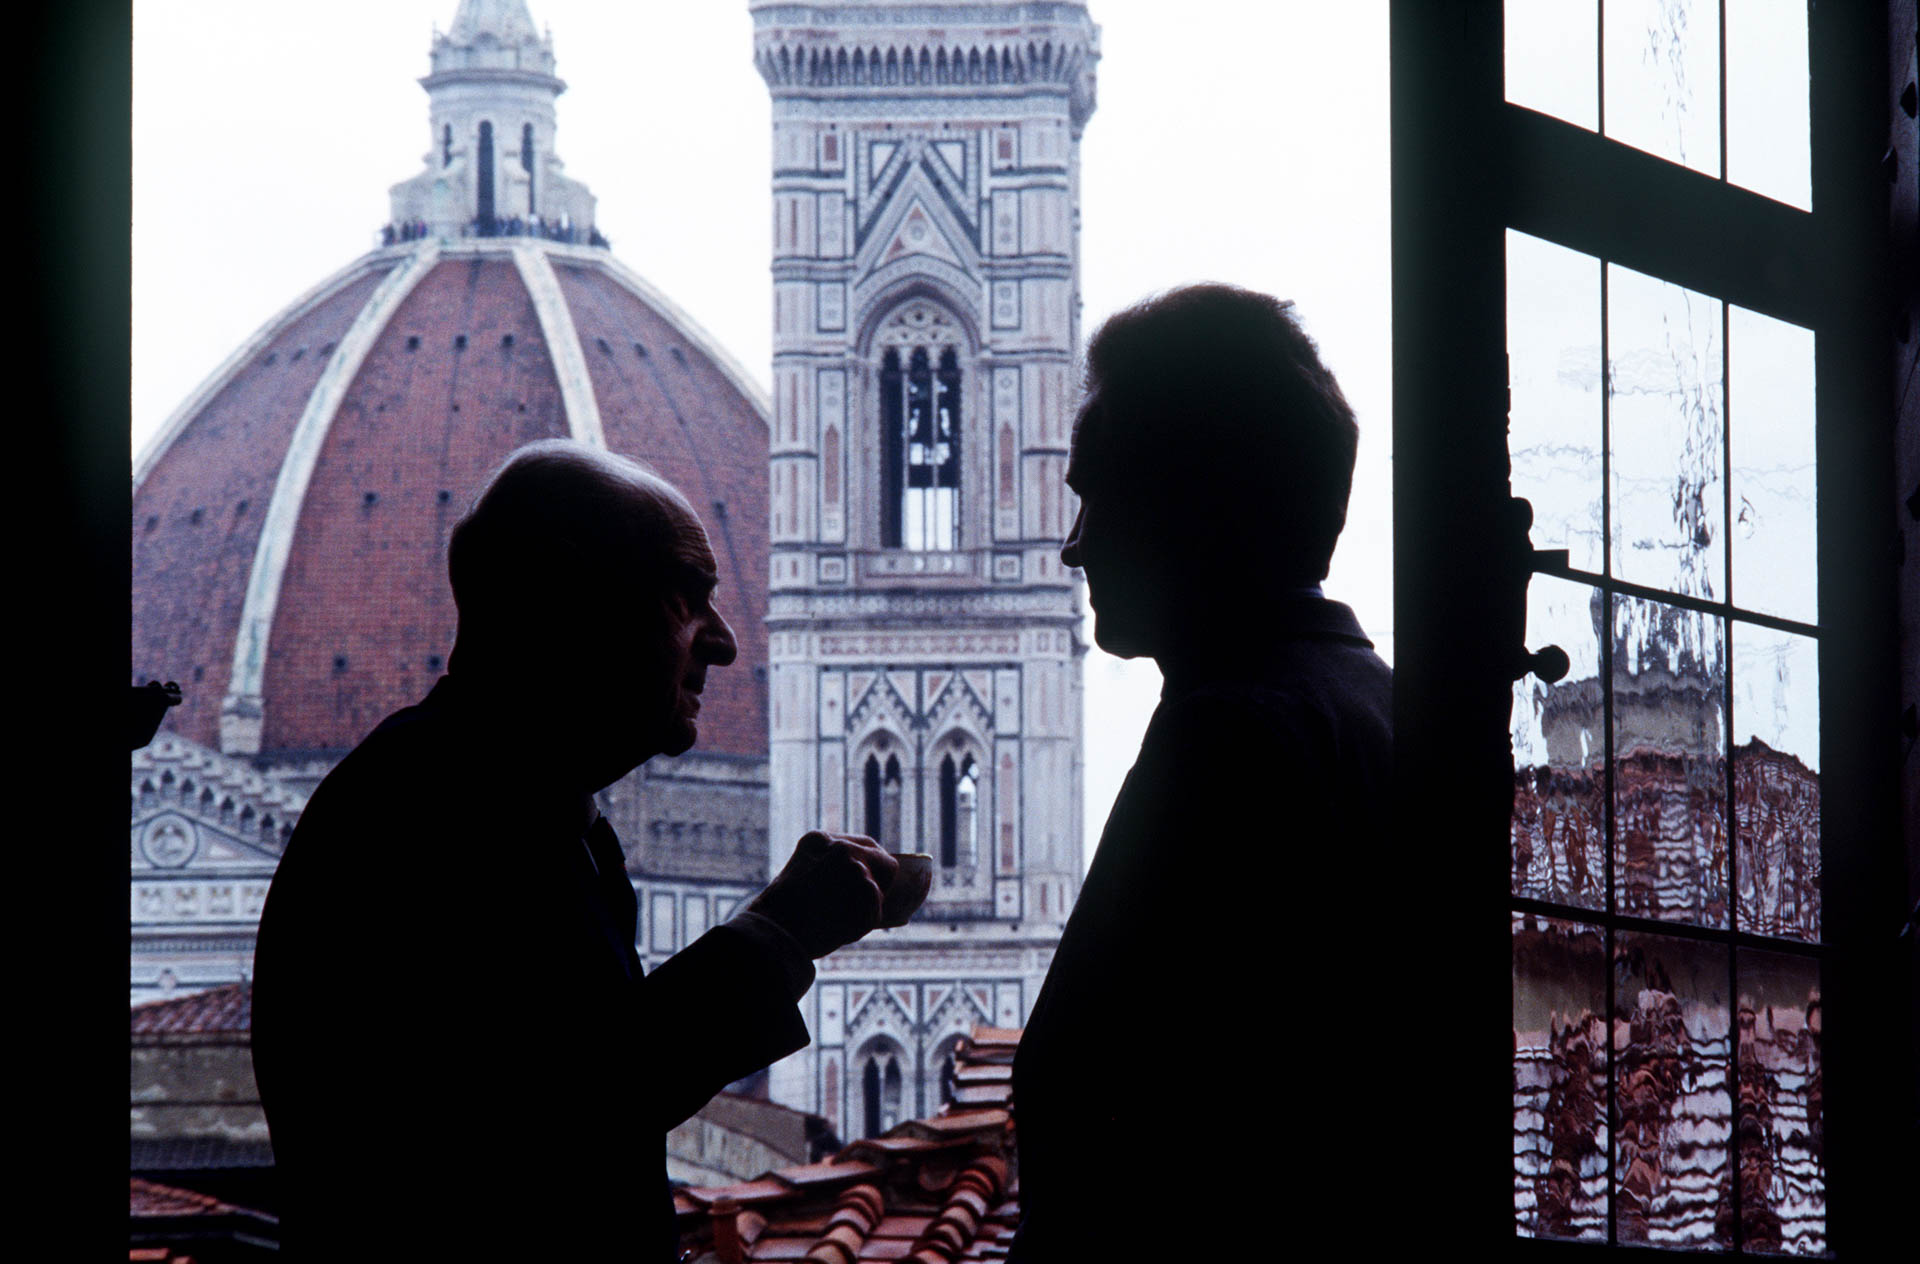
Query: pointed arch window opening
[484,211]
[881,1090]
[870,784]
[526,162]
[446,145]
[959,819]
[881,799]
[920,415]
[890,791]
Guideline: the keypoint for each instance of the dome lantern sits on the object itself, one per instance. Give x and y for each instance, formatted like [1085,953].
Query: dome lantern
[492,169]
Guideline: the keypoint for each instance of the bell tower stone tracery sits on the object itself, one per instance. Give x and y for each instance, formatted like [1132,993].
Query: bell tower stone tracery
[924,650]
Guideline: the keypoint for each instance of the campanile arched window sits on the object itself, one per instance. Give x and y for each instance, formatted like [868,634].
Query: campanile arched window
[920,424]
[526,160]
[485,208]
[882,800]
[959,795]
[882,1087]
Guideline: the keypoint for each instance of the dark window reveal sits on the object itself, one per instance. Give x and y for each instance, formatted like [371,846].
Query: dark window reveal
[485,209]
[526,160]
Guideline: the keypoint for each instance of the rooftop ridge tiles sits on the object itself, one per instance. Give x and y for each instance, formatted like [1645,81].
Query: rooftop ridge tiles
[984,1035]
[223,1010]
[826,1172]
[964,1121]
[760,1190]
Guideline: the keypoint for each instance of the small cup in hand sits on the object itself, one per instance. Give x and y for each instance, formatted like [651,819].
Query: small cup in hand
[907,890]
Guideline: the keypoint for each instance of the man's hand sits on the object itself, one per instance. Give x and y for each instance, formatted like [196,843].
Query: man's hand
[829,893]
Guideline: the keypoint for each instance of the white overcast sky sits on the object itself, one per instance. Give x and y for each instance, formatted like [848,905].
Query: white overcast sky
[1235,140]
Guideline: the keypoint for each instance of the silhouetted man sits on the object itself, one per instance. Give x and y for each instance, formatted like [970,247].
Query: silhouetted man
[458,1054]
[1210,1016]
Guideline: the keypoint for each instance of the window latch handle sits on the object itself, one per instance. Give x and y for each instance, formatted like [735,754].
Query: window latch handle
[1549,664]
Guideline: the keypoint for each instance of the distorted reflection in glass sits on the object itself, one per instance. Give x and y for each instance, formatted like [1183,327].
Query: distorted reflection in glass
[1559,818]
[1666,401]
[1663,79]
[1559,1079]
[1673,1107]
[1553,367]
[1783,1179]
[1776,781]
[1669,771]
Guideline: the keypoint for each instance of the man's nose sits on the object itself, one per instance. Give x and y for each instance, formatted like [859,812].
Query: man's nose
[1070,551]
[717,645]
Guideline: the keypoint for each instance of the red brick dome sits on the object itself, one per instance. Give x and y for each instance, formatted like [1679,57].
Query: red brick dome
[290,521]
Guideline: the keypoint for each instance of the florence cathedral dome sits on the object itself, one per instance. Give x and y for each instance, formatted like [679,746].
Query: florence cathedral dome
[290,520]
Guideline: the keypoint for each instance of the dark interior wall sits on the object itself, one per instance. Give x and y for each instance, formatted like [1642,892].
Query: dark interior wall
[1903,179]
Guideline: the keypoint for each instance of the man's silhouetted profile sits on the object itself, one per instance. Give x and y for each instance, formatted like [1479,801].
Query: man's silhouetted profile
[1213,1014]
[457,1051]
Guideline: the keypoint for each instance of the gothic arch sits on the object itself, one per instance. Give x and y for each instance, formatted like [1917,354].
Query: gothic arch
[958,794]
[880,791]
[915,314]
[880,1074]
[942,1061]
[875,304]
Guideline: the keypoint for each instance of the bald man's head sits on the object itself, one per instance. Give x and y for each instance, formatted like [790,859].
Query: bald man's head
[585,585]
[558,525]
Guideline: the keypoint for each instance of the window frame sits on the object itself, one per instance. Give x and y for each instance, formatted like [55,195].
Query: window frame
[1466,166]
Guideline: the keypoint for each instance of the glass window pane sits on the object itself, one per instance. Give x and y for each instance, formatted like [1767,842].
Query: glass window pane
[1767,91]
[1672,1103]
[1770,425]
[1776,781]
[1665,401]
[1669,773]
[1559,1079]
[1783,1181]
[1553,367]
[1663,79]
[1552,58]
[1559,753]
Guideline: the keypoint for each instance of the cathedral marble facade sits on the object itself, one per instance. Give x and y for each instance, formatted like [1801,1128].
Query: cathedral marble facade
[923,637]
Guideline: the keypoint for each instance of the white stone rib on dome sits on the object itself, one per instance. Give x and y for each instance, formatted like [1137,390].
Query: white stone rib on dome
[556,325]
[240,712]
[242,718]
[216,381]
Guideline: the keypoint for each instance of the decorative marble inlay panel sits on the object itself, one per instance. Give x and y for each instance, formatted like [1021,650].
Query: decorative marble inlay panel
[881,644]
[169,841]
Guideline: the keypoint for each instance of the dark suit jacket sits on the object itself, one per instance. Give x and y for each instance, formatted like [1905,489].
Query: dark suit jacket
[455,1046]
[1209,1019]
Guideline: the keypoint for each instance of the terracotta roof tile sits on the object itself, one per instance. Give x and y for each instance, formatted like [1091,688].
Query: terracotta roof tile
[833,1171]
[225,1010]
[458,374]
[995,1073]
[149,1198]
[902,1144]
[746,1192]
[932,1190]
[1004,1037]
[982,1094]
[963,1121]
